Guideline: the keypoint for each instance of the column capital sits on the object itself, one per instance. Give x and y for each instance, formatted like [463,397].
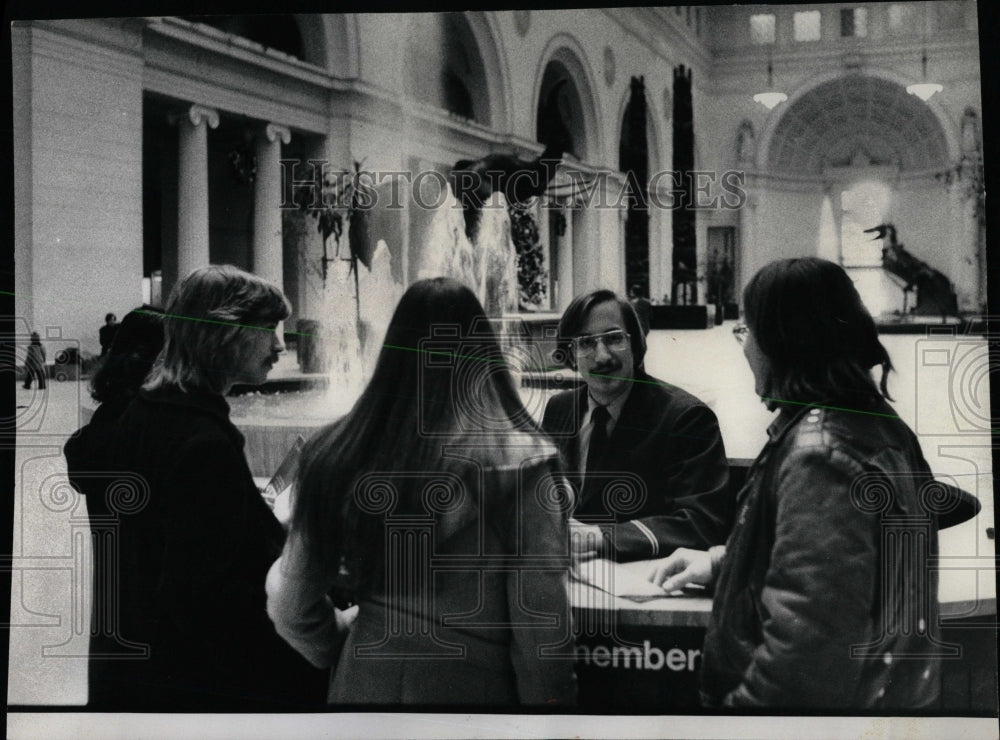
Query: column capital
[195,115]
[274,131]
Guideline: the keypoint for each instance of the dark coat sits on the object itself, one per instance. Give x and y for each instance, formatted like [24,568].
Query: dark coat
[825,598]
[194,545]
[667,449]
[88,464]
[107,334]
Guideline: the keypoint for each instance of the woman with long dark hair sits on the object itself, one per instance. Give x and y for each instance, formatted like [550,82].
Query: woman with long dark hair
[195,537]
[816,606]
[437,507]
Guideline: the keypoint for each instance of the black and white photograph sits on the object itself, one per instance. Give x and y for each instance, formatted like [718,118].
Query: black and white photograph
[378,371]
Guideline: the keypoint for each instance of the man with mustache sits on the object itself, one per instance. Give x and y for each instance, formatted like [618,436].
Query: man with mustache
[648,456]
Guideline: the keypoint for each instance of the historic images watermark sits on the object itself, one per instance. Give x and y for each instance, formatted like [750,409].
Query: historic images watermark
[29,422]
[954,358]
[315,184]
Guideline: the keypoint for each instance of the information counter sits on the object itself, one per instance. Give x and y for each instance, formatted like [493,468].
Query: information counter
[638,657]
[639,651]
[645,656]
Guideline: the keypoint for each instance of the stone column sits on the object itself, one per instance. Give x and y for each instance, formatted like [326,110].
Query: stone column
[963,267]
[746,265]
[267,244]
[564,245]
[582,233]
[192,187]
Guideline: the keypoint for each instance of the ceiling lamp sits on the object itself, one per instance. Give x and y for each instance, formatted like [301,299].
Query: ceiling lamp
[924,90]
[770,97]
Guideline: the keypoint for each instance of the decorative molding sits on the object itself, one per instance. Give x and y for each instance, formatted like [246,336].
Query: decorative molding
[274,131]
[235,47]
[178,85]
[852,61]
[732,63]
[62,47]
[971,139]
[663,35]
[746,144]
[195,115]
[438,130]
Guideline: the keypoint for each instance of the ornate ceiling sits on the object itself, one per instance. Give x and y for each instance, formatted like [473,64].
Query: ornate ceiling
[857,121]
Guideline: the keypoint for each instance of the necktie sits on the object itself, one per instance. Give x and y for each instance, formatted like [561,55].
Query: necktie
[596,451]
[598,438]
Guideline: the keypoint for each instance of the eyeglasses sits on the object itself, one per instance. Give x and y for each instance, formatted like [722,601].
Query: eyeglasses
[740,332]
[613,341]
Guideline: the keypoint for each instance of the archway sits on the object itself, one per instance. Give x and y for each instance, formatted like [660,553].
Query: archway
[565,117]
[838,142]
[564,74]
[851,116]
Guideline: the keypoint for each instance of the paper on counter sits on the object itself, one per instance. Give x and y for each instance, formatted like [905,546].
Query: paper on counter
[624,580]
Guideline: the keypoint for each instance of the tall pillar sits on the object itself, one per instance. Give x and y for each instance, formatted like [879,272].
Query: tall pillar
[965,261]
[609,213]
[586,246]
[564,245]
[192,187]
[746,264]
[267,245]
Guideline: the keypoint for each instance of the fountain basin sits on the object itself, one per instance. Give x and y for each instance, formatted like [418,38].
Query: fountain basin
[271,421]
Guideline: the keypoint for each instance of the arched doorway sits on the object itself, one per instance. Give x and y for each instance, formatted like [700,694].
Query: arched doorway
[863,151]
[561,119]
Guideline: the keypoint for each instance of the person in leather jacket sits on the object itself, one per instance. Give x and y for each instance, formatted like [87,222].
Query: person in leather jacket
[824,597]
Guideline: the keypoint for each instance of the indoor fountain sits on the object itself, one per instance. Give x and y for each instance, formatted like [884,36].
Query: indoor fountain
[438,246]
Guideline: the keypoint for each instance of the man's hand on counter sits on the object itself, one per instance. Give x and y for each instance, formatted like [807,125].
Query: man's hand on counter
[682,568]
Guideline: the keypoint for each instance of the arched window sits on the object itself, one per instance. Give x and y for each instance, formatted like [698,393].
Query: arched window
[443,65]
[560,113]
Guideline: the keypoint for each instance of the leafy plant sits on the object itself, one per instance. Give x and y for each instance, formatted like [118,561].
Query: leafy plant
[531,273]
[344,196]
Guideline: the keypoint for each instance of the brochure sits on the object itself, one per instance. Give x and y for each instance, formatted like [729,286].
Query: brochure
[285,474]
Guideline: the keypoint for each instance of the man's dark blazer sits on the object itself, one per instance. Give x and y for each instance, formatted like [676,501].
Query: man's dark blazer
[664,477]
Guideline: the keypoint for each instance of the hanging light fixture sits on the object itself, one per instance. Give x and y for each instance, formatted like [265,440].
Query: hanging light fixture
[924,90]
[770,97]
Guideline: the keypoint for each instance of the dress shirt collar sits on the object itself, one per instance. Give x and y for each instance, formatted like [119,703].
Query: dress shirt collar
[614,408]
